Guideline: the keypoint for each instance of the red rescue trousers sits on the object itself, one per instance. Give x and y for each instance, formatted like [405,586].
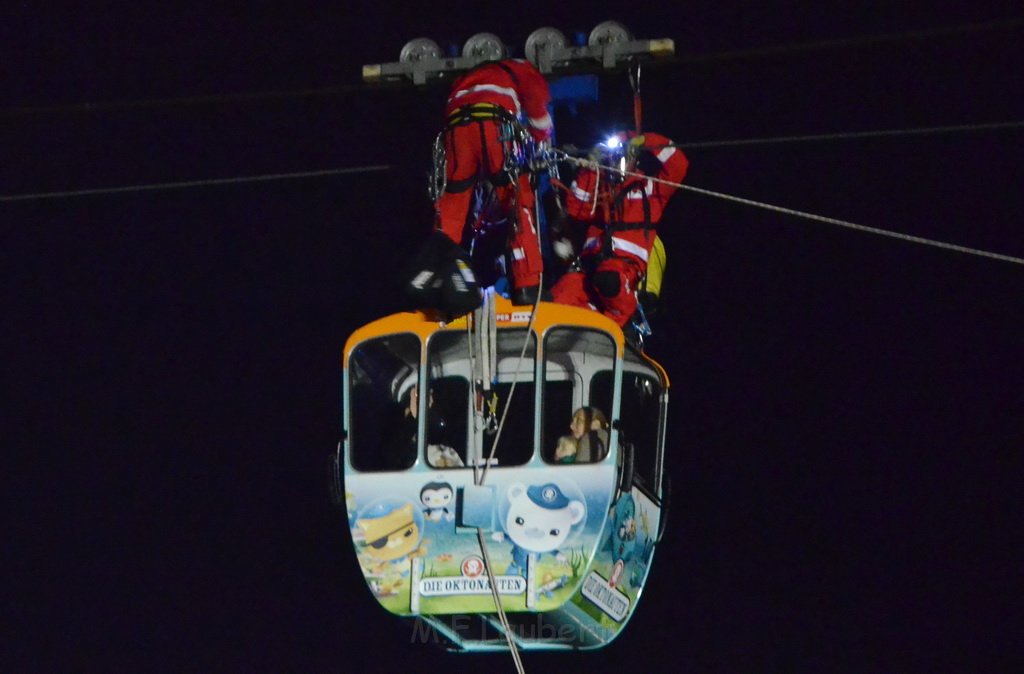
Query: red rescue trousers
[473,152]
[579,289]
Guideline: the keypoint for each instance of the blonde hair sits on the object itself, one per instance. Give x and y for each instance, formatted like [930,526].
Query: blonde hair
[592,415]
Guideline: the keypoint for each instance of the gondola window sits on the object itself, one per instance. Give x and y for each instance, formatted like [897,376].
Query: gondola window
[572,357]
[382,429]
[465,406]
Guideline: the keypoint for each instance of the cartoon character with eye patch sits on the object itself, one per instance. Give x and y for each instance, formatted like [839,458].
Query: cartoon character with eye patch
[391,532]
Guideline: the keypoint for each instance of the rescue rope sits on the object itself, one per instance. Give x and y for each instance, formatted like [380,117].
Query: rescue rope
[526,343]
[502,617]
[515,379]
[479,479]
[803,214]
[497,603]
[477,319]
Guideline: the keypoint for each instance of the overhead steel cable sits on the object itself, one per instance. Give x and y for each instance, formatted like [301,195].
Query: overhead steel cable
[692,59]
[194,183]
[841,135]
[181,101]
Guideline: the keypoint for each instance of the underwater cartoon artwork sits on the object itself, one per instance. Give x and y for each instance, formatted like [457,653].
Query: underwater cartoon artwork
[622,540]
[610,590]
[539,520]
[391,532]
[436,497]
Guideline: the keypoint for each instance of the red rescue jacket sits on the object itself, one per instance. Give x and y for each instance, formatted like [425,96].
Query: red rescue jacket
[634,208]
[514,84]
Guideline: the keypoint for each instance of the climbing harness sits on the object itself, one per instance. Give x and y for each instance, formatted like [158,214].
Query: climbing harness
[513,138]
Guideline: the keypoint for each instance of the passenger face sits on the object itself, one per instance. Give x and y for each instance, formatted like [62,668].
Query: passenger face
[414,400]
[578,425]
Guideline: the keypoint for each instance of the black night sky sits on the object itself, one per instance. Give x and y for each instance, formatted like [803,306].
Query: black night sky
[847,413]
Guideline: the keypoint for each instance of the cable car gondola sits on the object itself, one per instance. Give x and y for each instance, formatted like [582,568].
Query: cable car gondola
[446,491]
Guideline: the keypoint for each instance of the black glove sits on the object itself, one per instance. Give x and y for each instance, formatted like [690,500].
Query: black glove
[649,301]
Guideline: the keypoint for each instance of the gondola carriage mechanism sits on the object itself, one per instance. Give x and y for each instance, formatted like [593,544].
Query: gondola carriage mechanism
[502,471]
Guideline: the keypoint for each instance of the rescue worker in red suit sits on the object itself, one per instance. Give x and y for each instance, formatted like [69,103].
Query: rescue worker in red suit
[479,103]
[623,214]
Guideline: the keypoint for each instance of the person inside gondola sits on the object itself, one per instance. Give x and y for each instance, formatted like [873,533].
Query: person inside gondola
[402,445]
[566,450]
[590,428]
[439,453]
[588,438]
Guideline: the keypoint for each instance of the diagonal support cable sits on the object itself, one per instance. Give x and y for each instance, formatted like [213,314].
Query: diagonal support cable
[809,216]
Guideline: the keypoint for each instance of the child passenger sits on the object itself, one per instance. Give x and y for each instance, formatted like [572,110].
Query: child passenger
[589,440]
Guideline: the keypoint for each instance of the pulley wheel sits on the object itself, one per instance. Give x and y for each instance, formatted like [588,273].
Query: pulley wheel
[484,47]
[543,39]
[420,49]
[609,32]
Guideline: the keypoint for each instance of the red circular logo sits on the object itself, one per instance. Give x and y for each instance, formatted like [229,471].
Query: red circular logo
[472,566]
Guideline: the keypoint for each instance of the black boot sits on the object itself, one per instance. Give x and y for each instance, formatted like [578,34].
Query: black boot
[439,277]
[460,293]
